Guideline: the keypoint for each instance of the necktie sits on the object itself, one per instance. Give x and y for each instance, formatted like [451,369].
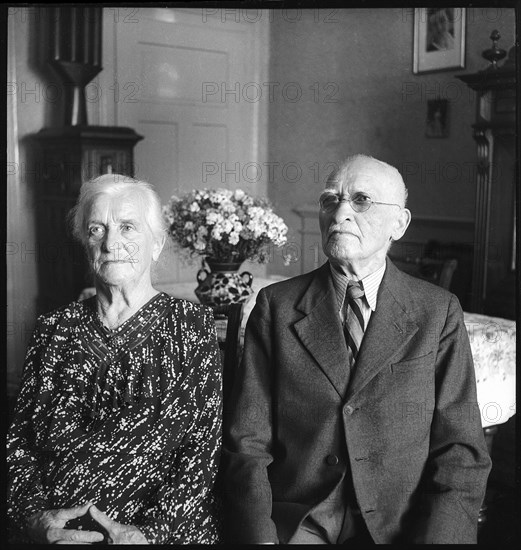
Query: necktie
[354,320]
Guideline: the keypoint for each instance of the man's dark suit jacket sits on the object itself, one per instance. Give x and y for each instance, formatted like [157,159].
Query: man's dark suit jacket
[405,422]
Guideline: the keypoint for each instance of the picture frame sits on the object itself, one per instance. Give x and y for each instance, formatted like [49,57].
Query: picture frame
[437,118]
[439,39]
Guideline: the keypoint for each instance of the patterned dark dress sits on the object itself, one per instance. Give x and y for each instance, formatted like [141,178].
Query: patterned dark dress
[128,419]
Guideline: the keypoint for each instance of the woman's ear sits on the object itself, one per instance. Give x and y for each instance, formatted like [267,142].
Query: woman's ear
[158,246]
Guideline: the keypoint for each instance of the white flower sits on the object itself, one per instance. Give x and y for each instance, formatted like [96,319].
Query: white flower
[233,238]
[213,217]
[227,206]
[227,226]
[220,195]
[216,234]
[199,244]
[194,207]
[189,225]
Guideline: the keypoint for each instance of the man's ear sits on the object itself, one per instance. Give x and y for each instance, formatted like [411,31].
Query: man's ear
[401,224]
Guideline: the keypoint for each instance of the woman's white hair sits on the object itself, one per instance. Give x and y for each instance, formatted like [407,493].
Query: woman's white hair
[141,192]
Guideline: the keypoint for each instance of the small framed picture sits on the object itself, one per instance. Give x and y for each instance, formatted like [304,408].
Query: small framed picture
[439,39]
[437,118]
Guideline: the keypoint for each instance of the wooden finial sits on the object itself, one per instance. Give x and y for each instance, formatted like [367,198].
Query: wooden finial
[494,54]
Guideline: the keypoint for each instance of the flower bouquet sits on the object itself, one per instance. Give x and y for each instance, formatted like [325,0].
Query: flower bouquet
[224,227]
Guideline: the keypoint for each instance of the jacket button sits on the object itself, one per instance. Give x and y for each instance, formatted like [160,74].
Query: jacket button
[348,409]
[332,460]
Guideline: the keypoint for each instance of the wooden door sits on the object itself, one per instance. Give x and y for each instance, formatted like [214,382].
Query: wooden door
[184,82]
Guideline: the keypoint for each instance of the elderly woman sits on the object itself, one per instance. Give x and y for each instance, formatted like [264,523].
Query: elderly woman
[117,427]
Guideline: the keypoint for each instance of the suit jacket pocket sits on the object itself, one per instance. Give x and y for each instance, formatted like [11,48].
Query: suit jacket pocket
[416,363]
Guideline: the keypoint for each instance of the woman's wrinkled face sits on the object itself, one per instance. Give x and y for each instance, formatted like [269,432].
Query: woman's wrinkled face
[120,245]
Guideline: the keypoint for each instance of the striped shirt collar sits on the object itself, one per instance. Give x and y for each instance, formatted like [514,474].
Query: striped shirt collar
[370,284]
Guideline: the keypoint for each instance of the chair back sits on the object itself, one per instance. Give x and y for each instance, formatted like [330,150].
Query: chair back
[228,324]
[438,272]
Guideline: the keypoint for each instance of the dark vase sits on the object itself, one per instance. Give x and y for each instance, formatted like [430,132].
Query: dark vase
[222,284]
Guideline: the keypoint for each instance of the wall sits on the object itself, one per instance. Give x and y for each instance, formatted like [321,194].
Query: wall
[34,101]
[359,95]
[21,266]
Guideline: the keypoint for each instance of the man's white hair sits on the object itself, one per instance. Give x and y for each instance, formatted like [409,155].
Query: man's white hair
[391,172]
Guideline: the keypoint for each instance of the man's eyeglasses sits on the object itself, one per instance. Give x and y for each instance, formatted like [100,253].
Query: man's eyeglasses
[360,202]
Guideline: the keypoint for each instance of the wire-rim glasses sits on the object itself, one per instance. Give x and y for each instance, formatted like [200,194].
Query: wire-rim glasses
[360,202]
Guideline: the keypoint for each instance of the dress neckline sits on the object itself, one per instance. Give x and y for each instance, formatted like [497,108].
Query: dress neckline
[110,333]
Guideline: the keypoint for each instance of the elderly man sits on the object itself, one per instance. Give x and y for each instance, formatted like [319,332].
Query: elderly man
[356,417]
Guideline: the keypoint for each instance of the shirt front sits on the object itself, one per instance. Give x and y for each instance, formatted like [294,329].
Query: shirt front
[370,285]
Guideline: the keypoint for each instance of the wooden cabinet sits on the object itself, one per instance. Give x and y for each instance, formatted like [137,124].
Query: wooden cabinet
[493,276]
[65,158]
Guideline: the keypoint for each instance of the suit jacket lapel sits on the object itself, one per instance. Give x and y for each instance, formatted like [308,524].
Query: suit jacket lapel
[320,331]
[391,326]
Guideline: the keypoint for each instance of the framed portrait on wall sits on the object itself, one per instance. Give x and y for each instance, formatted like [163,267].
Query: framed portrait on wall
[439,39]
[437,118]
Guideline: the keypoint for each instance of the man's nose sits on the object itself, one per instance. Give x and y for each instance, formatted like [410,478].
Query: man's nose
[343,212]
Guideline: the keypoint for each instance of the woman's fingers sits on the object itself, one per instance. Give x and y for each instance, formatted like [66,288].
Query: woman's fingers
[102,518]
[74,536]
[69,542]
[118,533]
[65,514]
